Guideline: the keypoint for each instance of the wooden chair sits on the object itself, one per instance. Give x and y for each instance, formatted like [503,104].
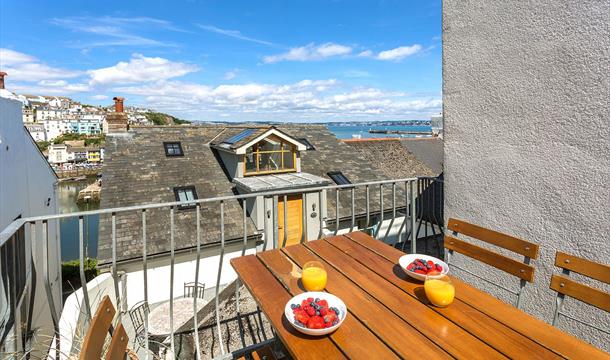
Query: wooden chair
[522,270]
[100,326]
[193,289]
[587,294]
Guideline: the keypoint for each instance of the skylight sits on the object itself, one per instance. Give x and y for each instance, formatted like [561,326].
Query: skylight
[339,178]
[235,138]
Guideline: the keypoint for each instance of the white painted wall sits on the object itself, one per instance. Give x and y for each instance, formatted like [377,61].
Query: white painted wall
[526,101]
[27,188]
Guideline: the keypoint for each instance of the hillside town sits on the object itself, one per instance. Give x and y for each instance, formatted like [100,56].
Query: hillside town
[71,135]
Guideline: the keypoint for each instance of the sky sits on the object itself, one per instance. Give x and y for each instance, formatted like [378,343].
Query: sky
[226,60]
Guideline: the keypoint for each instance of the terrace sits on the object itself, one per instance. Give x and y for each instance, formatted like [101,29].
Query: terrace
[226,308]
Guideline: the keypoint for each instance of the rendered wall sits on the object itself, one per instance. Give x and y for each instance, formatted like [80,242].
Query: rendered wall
[27,188]
[527,134]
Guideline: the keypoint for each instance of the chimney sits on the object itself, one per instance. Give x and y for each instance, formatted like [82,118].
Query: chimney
[118,104]
[2,75]
[116,121]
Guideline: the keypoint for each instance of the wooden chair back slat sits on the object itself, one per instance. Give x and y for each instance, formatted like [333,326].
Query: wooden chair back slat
[582,266]
[505,241]
[590,295]
[118,344]
[93,343]
[511,266]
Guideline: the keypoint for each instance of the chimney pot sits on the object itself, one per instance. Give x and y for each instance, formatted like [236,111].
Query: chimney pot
[118,104]
[2,75]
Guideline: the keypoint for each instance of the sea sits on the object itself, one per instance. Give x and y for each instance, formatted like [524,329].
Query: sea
[68,190]
[344,131]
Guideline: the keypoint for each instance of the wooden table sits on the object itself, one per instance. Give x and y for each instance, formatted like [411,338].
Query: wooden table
[158,318]
[389,316]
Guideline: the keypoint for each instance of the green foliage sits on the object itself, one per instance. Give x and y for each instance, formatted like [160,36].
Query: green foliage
[164,119]
[43,145]
[70,272]
[89,140]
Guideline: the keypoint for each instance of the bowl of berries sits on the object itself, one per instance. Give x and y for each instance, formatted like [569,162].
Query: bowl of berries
[418,266]
[315,313]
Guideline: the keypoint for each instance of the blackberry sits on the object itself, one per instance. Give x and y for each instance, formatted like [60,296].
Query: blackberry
[294,306]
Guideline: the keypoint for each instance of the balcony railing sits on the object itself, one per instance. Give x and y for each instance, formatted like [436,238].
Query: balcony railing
[407,213]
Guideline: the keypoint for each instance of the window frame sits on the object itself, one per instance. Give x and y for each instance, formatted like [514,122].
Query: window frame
[257,153]
[338,174]
[177,189]
[165,147]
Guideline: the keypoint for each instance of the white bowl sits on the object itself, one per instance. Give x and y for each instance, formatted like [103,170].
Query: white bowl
[332,300]
[405,260]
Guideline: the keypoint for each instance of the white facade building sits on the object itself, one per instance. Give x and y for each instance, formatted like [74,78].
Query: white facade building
[56,127]
[37,131]
[27,188]
[28,115]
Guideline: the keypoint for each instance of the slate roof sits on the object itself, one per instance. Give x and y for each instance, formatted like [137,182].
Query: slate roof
[394,160]
[136,171]
[429,151]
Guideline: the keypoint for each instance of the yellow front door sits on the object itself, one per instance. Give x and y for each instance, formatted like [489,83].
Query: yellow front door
[294,220]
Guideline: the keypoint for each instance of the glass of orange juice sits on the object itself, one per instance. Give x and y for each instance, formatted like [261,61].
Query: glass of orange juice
[439,290]
[313,276]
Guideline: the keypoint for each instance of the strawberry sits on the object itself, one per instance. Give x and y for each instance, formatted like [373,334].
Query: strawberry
[301,317]
[323,303]
[315,322]
[430,264]
[310,311]
[309,299]
[411,266]
[439,268]
[418,271]
[323,311]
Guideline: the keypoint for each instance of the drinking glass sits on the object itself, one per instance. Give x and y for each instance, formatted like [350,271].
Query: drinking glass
[439,290]
[313,276]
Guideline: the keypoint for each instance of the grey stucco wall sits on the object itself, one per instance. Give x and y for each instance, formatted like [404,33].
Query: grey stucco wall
[527,135]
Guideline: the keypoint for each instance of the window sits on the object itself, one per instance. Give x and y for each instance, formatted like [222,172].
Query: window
[173,149]
[270,155]
[185,193]
[306,143]
[339,178]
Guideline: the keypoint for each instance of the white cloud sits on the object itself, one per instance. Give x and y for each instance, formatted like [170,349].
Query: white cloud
[23,67]
[399,53]
[115,31]
[98,97]
[310,52]
[236,34]
[230,75]
[320,99]
[140,69]
[366,53]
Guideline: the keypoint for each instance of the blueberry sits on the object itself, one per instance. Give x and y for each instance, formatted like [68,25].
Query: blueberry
[318,312]
[335,322]
[293,306]
[317,299]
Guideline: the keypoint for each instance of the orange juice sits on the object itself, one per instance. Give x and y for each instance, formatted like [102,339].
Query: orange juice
[313,276]
[440,292]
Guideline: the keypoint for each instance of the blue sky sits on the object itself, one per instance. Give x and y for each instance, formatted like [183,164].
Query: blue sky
[229,60]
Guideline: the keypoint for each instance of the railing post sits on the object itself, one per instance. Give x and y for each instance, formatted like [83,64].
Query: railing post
[145,275]
[114,270]
[195,319]
[171,278]
[83,278]
[413,210]
[275,223]
[220,260]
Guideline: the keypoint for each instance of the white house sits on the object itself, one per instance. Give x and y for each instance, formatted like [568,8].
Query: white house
[27,188]
[37,131]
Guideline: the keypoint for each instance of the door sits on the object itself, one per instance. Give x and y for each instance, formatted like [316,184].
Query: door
[294,220]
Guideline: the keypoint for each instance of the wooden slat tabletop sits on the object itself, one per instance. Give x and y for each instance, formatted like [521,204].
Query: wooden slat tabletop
[388,313]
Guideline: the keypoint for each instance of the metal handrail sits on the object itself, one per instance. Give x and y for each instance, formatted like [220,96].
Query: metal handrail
[412,190]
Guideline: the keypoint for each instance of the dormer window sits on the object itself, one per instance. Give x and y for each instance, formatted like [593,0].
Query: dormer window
[173,149]
[270,155]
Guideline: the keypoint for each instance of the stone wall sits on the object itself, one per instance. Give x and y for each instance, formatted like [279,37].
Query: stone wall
[527,135]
